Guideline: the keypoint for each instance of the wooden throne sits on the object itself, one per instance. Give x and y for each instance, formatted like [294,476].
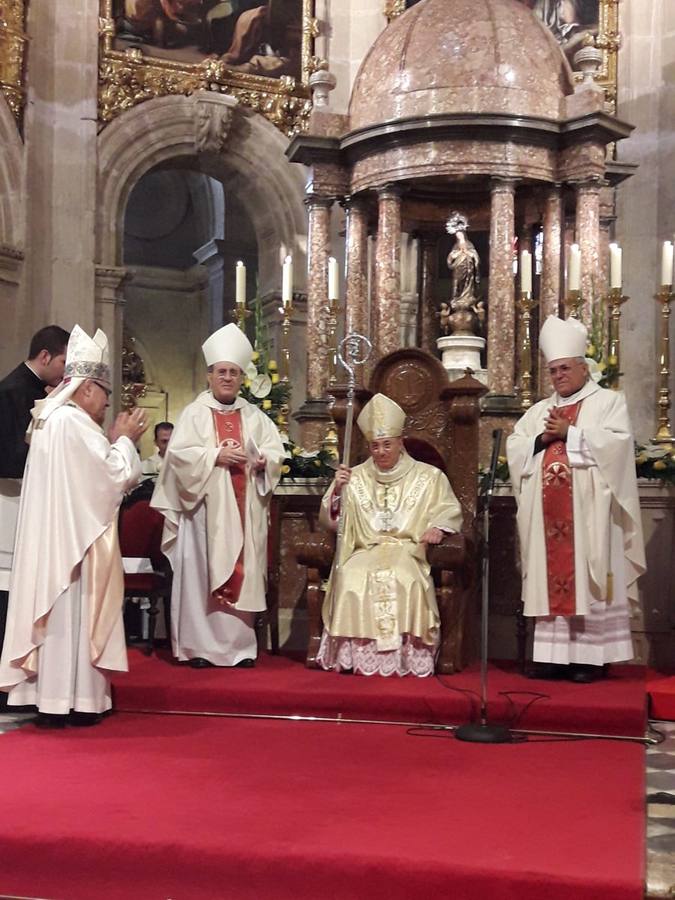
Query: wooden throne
[442,429]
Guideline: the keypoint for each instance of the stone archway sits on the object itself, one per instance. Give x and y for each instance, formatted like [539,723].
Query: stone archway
[211,133]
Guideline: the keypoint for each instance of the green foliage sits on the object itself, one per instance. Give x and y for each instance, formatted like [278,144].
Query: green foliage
[655,462]
[301,463]
[606,368]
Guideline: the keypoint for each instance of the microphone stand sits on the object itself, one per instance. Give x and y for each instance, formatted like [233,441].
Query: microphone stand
[483,732]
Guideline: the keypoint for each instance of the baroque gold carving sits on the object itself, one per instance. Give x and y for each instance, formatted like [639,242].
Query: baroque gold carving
[12,47]
[128,77]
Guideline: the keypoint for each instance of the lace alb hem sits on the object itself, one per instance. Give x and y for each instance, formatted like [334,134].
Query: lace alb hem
[362,656]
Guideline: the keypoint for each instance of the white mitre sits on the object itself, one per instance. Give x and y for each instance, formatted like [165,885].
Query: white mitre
[228,344]
[85,358]
[381,418]
[562,339]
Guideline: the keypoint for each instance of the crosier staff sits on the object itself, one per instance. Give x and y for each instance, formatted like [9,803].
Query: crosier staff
[354,350]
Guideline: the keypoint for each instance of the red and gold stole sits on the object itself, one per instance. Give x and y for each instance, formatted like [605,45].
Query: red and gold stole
[559,523]
[229,433]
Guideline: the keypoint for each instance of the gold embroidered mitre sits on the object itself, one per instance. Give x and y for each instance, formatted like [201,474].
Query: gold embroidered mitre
[381,418]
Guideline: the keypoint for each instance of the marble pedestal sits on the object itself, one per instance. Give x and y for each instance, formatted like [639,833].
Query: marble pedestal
[460,352]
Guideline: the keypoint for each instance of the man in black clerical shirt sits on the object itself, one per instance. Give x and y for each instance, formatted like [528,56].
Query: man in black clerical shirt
[18,393]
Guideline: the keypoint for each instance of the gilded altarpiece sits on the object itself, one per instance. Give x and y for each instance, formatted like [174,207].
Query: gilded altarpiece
[12,51]
[574,24]
[260,53]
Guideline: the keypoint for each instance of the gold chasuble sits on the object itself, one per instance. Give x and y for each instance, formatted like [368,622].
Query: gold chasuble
[384,595]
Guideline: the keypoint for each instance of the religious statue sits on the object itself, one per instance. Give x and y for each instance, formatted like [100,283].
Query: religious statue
[464,313]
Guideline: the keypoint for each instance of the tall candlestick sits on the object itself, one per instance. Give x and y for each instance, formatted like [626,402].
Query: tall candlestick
[574,269]
[287,282]
[667,263]
[615,255]
[526,272]
[333,279]
[240,283]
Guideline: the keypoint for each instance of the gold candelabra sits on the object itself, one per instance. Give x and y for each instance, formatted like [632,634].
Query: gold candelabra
[240,314]
[525,306]
[286,310]
[663,434]
[574,303]
[615,300]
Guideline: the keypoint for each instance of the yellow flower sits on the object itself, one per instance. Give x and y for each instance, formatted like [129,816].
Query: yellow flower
[275,378]
[280,420]
[641,459]
[590,350]
[501,460]
[247,382]
[255,357]
[285,470]
[612,361]
[272,365]
[317,463]
[659,465]
[267,404]
[297,451]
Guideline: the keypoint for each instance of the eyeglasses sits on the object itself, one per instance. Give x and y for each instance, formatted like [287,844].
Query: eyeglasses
[107,390]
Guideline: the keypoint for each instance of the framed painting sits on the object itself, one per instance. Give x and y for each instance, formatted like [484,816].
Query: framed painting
[260,51]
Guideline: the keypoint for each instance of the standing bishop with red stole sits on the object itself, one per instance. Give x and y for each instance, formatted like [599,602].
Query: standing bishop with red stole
[572,465]
[220,469]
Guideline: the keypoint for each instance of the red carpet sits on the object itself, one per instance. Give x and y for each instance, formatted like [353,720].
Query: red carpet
[279,685]
[661,690]
[150,807]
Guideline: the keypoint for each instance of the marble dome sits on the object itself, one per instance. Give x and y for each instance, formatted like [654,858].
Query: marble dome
[461,57]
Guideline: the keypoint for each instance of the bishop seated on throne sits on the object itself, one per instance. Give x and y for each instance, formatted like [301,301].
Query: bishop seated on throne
[380,613]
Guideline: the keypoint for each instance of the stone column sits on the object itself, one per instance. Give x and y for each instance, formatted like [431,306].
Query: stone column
[210,257]
[60,153]
[427,315]
[313,415]
[588,238]
[386,318]
[408,336]
[501,301]
[551,284]
[109,316]
[356,300]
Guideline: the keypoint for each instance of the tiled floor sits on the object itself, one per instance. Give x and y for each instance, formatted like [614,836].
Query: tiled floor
[660,761]
[661,815]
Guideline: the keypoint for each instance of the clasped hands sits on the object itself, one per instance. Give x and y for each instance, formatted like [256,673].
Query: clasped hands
[556,427]
[235,456]
[129,424]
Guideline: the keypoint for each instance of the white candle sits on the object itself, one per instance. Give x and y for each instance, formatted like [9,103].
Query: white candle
[526,272]
[333,276]
[240,283]
[574,269]
[667,263]
[287,282]
[615,254]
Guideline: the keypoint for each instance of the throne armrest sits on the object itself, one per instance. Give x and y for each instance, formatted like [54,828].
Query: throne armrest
[316,551]
[450,554]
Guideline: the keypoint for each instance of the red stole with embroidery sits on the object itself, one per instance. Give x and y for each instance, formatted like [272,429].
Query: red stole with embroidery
[229,433]
[559,523]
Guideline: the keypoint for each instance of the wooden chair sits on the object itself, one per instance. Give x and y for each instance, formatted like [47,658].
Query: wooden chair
[140,533]
[442,429]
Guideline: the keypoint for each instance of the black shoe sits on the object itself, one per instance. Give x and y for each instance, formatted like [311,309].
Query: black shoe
[84,719]
[547,671]
[580,673]
[198,662]
[245,664]
[50,720]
